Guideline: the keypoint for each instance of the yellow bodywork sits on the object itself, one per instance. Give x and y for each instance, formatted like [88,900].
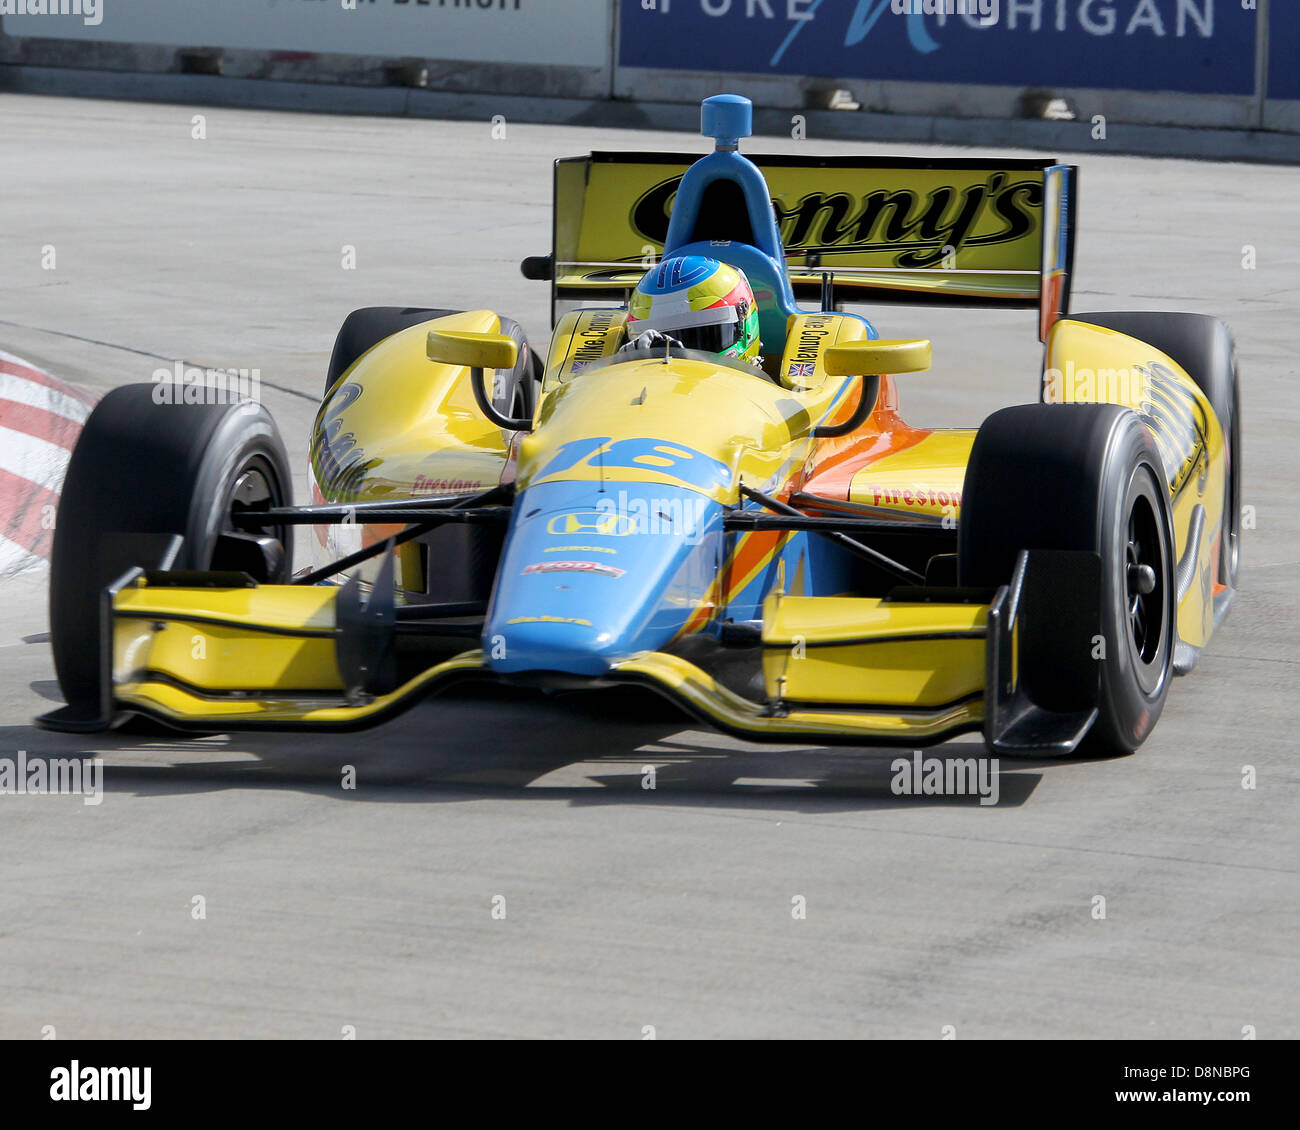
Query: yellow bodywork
[770,424]
[272,636]
[850,668]
[397,425]
[1123,370]
[264,656]
[833,218]
[862,650]
[921,480]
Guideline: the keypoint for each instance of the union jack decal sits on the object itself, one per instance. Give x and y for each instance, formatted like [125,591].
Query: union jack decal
[802,369]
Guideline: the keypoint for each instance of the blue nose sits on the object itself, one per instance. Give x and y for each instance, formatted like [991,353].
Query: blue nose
[591,576]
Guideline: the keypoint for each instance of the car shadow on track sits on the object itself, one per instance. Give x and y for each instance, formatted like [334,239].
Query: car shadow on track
[591,748]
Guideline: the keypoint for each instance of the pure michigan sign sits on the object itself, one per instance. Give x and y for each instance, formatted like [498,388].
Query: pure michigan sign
[1192,46]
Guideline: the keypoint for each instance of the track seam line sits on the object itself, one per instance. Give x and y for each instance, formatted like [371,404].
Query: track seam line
[144,353]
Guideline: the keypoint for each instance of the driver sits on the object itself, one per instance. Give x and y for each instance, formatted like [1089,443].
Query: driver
[698,302]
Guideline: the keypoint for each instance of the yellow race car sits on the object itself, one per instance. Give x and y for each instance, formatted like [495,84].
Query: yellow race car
[768,545]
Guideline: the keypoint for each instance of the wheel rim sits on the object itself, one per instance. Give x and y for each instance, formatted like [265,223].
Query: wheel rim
[1232,539]
[1146,593]
[255,487]
[1232,498]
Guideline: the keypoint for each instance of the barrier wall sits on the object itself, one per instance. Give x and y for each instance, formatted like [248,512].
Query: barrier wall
[1231,64]
[1191,46]
[544,32]
[556,48]
[1168,62]
[1282,110]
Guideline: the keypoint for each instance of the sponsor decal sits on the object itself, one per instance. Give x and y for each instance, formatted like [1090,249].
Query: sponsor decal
[579,549]
[1178,419]
[1189,46]
[592,339]
[912,496]
[624,516]
[574,567]
[1179,423]
[339,463]
[810,339]
[550,620]
[919,228]
[602,455]
[423,485]
[610,524]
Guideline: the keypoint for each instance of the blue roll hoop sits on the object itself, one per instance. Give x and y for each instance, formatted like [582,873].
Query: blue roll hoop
[727,118]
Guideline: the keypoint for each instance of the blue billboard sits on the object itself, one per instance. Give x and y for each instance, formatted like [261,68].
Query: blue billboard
[1283,52]
[1191,46]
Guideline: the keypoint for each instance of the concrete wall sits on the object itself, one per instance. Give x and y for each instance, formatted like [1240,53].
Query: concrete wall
[1153,72]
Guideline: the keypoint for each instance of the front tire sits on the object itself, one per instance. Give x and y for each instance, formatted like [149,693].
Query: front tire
[142,471]
[1084,477]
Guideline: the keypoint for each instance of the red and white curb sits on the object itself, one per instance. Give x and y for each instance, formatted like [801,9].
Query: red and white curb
[40,420]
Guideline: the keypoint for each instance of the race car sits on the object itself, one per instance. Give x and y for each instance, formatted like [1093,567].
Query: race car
[764,542]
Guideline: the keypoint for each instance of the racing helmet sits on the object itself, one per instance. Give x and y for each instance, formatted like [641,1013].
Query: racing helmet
[704,304]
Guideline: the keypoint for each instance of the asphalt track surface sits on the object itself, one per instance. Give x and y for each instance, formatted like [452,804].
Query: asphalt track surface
[625,908]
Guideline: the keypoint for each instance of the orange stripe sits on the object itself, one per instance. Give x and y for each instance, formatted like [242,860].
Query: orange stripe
[884,433]
[752,554]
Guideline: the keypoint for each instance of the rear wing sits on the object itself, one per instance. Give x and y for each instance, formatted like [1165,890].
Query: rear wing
[950,230]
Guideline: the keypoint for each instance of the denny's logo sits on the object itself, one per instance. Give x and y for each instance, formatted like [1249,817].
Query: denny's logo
[910,227]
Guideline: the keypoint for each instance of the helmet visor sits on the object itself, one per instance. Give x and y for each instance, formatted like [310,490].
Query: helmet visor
[717,338]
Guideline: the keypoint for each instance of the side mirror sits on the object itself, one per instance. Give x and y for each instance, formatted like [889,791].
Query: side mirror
[478,351]
[475,350]
[869,358]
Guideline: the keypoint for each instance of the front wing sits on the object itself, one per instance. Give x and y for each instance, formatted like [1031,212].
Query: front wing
[214,652]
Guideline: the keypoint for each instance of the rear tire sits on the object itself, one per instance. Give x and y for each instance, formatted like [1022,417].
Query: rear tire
[144,468]
[1205,349]
[1081,477]
[362,330]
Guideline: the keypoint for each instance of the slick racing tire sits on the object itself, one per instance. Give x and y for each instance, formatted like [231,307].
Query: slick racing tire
[142,470]
[363,329]
[1083,477]
[1205,349]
